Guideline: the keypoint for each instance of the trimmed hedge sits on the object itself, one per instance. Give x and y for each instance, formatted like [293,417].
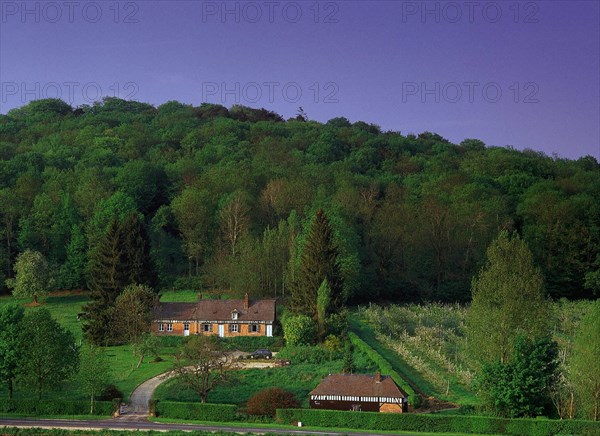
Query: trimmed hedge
[196,411]
[436,423]
[252,343]
[56,407]
[386,369]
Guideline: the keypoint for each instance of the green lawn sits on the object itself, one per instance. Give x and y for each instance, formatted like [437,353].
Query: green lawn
[64,309]
[300,378]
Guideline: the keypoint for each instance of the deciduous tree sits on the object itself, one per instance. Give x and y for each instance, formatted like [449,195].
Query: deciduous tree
[31,275]
[508,301]
[585,363]
[202,364]
[49,352]
[11,317]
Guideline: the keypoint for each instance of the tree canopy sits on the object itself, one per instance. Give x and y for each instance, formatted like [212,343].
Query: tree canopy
[228,195]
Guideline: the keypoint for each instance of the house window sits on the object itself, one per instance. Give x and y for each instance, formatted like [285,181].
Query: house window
[186,326]
[255,328]
[161,327]
[169,327]
[207,327]
[233,328]
[234,315]
[356,407]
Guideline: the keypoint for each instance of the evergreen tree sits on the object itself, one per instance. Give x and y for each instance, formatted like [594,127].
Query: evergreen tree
[121,258]
[319,262]
[73,270]
[136,247]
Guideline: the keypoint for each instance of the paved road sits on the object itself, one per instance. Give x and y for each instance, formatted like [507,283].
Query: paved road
[120,424]
[139,398]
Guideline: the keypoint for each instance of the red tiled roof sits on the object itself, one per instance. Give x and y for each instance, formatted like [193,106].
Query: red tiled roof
[359,385]
[217,310]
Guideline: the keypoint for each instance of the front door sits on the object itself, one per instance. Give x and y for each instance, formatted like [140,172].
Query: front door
[186,329]
[221,330]
[269,330]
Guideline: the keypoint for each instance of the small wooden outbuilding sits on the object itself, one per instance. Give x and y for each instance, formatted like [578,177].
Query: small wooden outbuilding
[359,392]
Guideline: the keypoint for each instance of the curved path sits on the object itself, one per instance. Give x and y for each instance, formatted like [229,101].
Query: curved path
[138,407]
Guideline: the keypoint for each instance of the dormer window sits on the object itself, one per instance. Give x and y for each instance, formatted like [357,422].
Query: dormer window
[234,314]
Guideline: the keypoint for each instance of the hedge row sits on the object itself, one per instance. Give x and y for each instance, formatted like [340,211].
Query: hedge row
[56,407]
[384,366]
[252,343]
[436,423]
[196,411]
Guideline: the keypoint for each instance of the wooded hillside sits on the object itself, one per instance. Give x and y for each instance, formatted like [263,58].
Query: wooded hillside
[226,194]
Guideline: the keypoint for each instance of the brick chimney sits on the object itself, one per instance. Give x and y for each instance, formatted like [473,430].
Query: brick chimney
[378,377]
[199,296]
[246,302]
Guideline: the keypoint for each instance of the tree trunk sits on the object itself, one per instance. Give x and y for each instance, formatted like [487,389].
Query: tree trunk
[35,299]
[140,361]
[92,404]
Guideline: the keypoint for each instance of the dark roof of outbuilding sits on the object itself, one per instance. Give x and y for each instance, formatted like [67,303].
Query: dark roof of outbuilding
[359,385]
[216,310]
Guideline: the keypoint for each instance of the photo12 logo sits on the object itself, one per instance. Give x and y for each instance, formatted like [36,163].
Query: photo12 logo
[71,92]
[269,92]
[469,92]
[470,12]
[69,12]
[270,12]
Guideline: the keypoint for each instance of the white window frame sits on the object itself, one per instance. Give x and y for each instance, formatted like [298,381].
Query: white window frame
[234,315]
[161,327]
[206,328]
[254,328]
[234,328]
[170,327]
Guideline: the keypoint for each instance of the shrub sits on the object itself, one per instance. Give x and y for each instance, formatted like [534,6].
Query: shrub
[196,411]
[249,343]
[55,407]
[299,330]
[265,402]
[308,354]
[436,423]
[109,393]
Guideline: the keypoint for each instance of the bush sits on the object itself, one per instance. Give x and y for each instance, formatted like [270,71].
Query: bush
[436,423]
[196,411]
[299,330]
[384,366]
[265,402]
[55,407]
[109,393]
[249,343]
[308,354]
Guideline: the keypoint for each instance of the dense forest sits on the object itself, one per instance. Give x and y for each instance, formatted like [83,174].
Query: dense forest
[226,196]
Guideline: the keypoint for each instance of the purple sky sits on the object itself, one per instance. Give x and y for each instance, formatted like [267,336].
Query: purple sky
[407,66]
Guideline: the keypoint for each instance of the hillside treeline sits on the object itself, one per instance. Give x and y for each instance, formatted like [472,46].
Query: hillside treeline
[226,196]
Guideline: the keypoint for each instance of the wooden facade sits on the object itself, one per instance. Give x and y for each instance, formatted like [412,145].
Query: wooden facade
[224,318]
[359,392]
